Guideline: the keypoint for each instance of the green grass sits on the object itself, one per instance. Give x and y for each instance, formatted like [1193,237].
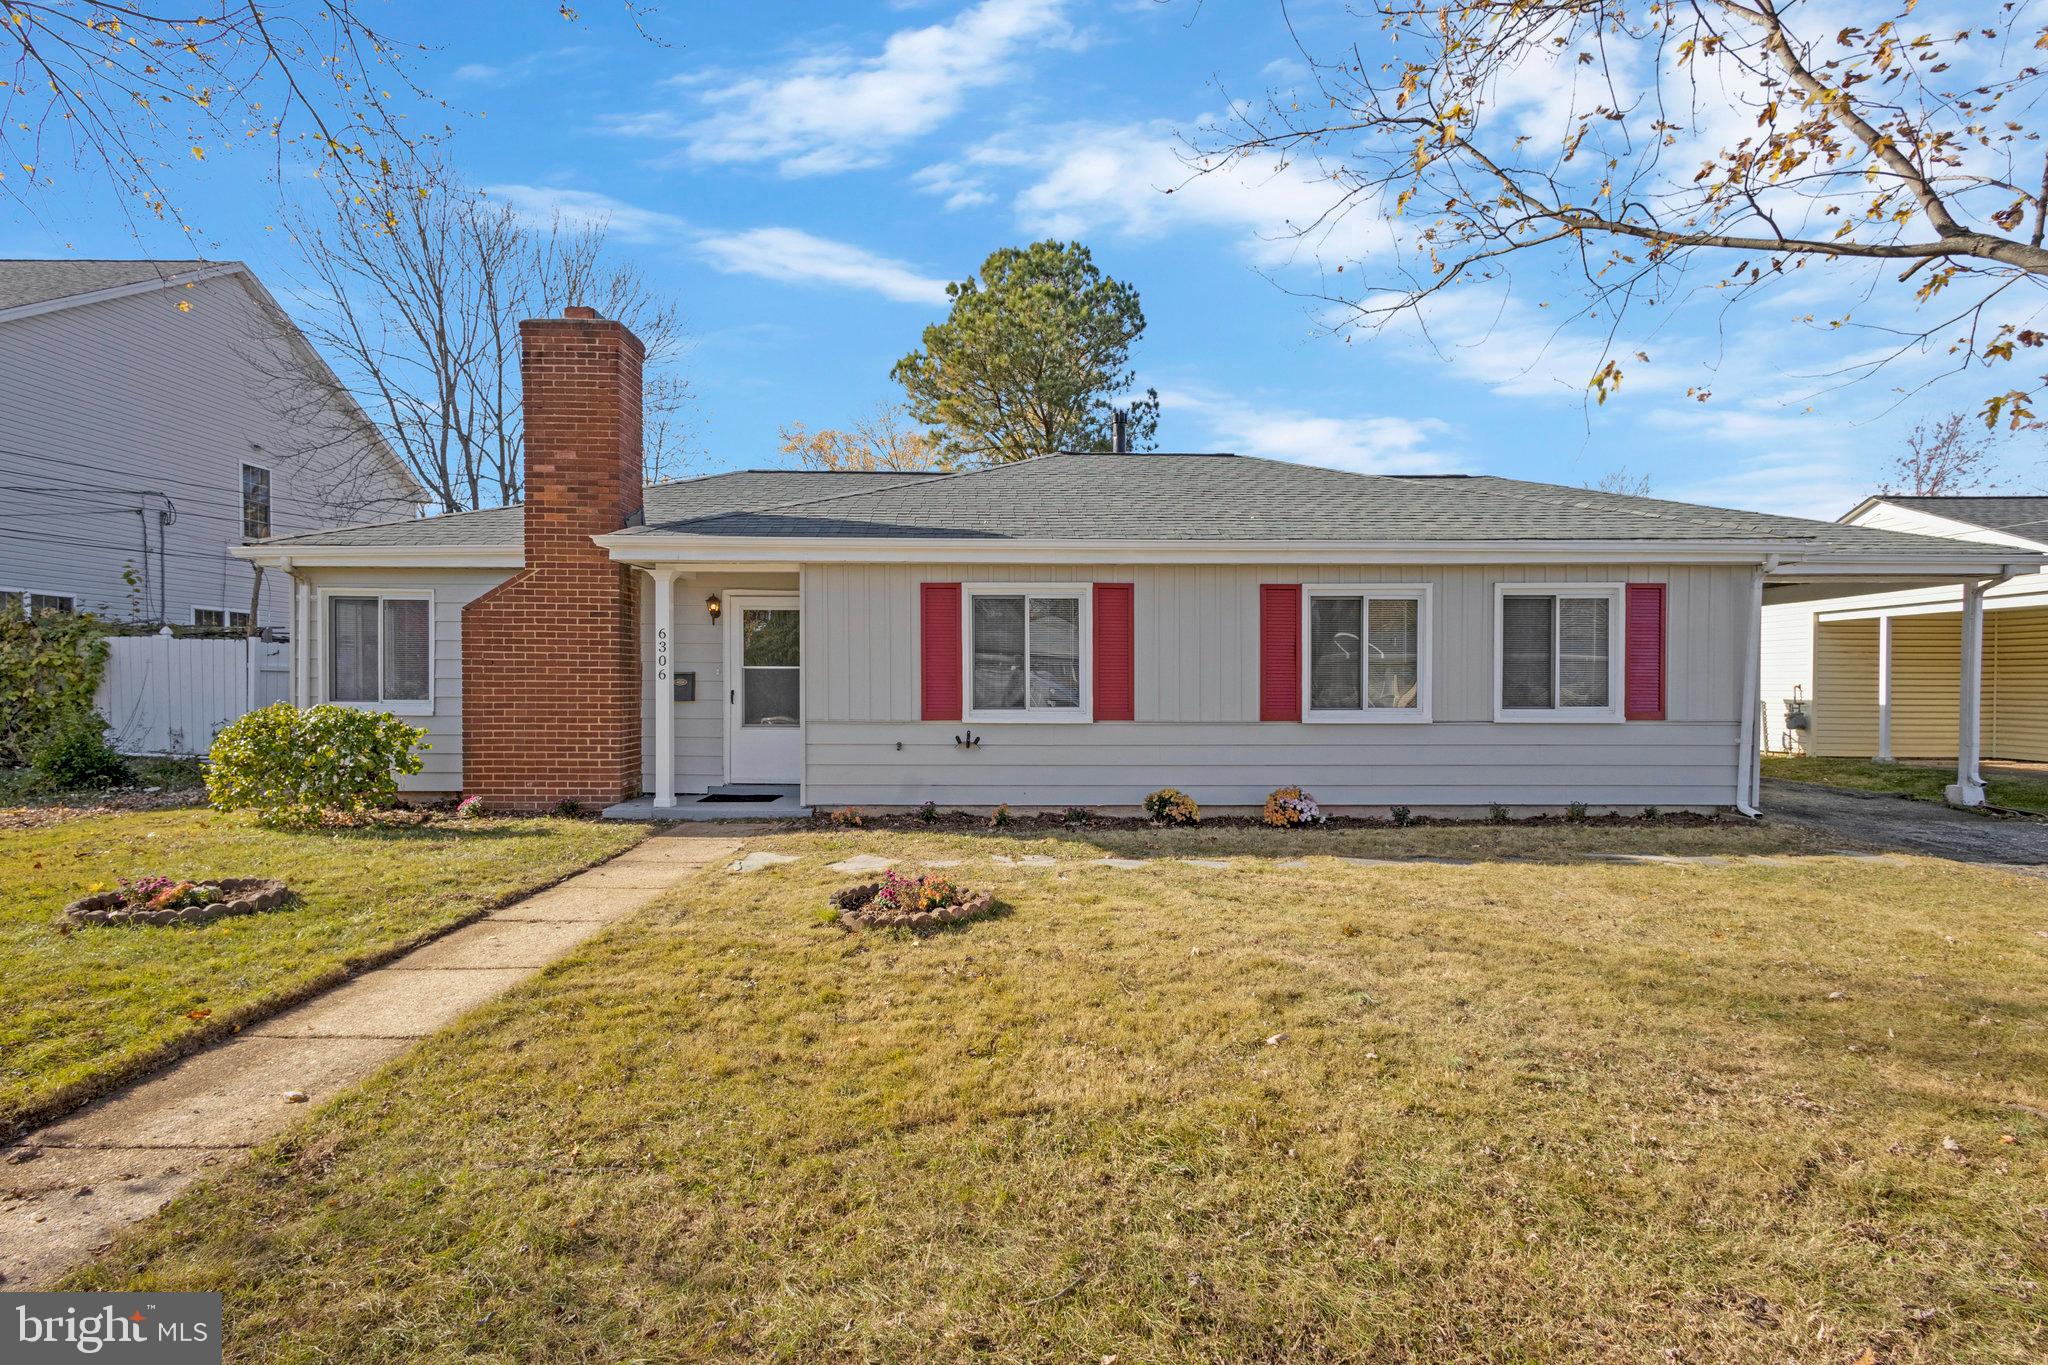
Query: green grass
[1539,1109]
[80,1010]
[1904,779]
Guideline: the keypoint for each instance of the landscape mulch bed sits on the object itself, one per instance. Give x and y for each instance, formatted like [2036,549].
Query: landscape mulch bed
[1054,820]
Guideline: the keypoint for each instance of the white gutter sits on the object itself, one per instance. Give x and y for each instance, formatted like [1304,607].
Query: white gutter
[657,549]
[272,556]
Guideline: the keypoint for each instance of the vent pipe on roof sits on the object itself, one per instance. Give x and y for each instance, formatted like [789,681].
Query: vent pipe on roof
[1120,428]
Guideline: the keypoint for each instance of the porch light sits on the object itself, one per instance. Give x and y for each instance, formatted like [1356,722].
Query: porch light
[713,605]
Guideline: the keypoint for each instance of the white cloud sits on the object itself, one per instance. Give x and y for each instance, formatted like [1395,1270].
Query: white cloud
[1359,443]
[838,111]
[960,188]
[1132,179]
[794,256]
[541,204]
[1794,481]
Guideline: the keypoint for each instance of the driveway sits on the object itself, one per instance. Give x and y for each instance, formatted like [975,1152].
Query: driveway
[2018,845]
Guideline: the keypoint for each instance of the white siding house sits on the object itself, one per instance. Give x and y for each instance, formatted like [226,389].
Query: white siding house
[143,431]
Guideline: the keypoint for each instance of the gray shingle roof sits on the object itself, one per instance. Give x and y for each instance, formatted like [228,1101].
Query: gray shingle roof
[1240,498]
[2019,516]
[504,528]
[1165,497]
[26,282]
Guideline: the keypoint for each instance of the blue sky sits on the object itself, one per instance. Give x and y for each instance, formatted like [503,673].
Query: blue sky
[805,189]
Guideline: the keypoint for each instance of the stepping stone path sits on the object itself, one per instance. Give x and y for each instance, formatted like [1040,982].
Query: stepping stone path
[942,862]
[1028,860]
[862,863]
[1214,864]
[755,862]
[1120,862]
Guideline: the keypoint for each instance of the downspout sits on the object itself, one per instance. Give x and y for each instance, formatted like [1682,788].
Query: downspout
[1748,772]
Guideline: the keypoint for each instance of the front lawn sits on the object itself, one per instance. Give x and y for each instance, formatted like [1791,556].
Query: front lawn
[80,1010]
[1904,779]
[1537,1107]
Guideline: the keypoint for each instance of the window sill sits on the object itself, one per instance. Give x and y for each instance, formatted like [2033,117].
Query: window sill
[1385,715]
[1566,716]
[1029,718]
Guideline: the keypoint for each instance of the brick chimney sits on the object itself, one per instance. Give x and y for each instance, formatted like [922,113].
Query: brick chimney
[551,657]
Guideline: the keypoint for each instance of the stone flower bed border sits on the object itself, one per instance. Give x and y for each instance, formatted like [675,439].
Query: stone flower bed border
[856,909]
[245,896]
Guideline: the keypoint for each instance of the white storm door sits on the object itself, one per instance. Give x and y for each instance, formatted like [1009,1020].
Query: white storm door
[764,688]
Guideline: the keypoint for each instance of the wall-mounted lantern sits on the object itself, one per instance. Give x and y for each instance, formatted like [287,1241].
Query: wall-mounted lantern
[713,605]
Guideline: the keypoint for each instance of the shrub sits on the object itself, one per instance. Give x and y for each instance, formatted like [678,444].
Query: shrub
[289,766]
[1077,815]
[469,807]
[50,666]
[1000,817]
[1652,813]
[1289,807]
[1497,813]
[1576,812]
[568,808]
[929,812]
[848,817]
[1402,815]
[1170,807]
[74,753]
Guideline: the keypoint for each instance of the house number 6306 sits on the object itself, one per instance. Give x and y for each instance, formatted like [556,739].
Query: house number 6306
[661,654]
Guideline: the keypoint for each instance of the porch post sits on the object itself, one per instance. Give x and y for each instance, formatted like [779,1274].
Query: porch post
[1968,789]
[1884,689]
[664,689]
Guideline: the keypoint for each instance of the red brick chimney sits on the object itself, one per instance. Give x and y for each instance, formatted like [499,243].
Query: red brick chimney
[551,657]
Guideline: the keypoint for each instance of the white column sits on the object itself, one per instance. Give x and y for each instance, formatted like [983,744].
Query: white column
[1884,689]
[1969,784]
[664,688]
[1749,742]
[303,626]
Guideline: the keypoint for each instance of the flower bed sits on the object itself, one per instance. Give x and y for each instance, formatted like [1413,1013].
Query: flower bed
[908,902]
[164,900]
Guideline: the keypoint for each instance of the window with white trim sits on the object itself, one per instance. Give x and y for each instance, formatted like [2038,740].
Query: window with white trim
[1367,653]
[1027,653]
[61,602]
[214,618]
[255,502]
[380,650]
[1558,652]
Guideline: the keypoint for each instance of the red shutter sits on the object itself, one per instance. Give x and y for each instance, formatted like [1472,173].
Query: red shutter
[1279,651]
[939,649]
[1645,670]
[1114,674]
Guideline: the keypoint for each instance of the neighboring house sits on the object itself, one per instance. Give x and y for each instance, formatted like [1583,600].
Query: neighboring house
[153,414]
[1877,675]
[1074,629]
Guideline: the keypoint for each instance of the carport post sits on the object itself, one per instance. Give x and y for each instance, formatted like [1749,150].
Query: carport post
[664,688]
[1884,689]
[1968,789]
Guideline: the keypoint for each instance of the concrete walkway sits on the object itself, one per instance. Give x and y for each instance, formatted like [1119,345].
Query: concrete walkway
[1911,826]
[67,1188]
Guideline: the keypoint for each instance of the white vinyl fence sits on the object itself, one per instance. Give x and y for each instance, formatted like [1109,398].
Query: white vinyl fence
[164,695]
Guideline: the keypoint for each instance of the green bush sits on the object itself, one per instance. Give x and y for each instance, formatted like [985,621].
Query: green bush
[50,665]
[1170,807]
[291,766]
[74,754]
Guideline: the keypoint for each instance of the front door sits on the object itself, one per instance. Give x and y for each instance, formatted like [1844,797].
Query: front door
[764,688]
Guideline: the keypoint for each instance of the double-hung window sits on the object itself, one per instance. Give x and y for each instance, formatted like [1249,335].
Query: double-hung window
[1027,652]
[1368,653]
[255,502]
[215,618]
[380,651]
[1557,651]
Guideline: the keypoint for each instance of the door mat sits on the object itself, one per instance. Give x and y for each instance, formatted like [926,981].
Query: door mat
[742,796]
